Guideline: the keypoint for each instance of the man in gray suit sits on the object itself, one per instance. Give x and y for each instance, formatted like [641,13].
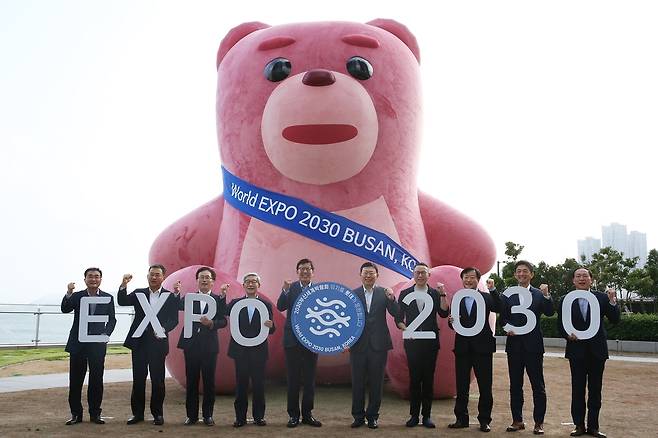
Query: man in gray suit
[368,355]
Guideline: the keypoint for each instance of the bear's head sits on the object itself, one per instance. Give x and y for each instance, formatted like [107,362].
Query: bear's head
[321,110]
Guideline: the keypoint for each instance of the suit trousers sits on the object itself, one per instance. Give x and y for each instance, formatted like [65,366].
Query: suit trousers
[148,359]
[421,361]
[533,364]
[92,355]
[367,366]
[249,368]
[301,364]
[482,364]
[587,371]
[199,364]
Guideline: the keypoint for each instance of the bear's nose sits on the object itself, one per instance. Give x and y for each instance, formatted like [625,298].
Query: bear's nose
[318,78]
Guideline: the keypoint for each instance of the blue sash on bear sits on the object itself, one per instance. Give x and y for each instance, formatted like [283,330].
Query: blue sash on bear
[312,222]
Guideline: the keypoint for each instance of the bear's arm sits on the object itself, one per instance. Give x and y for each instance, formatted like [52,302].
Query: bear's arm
[453,238]
[191,240]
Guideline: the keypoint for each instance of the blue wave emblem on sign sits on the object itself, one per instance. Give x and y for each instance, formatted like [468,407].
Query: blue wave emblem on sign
[327,318]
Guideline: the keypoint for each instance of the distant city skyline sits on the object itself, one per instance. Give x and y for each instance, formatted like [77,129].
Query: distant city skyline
[630,244]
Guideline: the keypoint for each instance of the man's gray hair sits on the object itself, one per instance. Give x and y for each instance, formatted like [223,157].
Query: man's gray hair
[251,274]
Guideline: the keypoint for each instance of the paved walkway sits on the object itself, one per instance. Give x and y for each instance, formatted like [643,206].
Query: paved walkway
[42,381]
[60,380]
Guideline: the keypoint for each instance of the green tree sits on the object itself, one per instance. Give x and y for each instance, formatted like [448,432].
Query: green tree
[640,282]
[611,269]
[651,268]
[557,277]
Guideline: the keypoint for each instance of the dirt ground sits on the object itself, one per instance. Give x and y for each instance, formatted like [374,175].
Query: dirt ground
[629,405]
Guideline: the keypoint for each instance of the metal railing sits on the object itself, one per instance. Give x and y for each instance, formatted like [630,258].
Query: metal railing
[38,311]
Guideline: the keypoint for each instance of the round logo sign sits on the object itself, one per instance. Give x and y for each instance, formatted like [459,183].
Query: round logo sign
[327,318]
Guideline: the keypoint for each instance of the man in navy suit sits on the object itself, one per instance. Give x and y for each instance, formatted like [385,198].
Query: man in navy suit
[421,353]
[150,348]
[587,356]
[301,362]
[83,354]
[201,349]
[526,352]
[250,360]
[368,355]
[474,353]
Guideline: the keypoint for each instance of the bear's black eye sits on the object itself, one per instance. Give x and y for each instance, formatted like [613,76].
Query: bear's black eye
[277,69]
[359,67]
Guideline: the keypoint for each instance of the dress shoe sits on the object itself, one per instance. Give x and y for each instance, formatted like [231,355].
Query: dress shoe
[596,433]
[208,421]
[515,426]
[134,419]
[293,422]
[539,429]
[239,423]
[311,421]
[74,420]
[158,420]
[357,423]
[457,425]
[97,420]
[484,427]
[413,421]
[260,422]
[578,431]
[190,421]
[428,423]
[372,424]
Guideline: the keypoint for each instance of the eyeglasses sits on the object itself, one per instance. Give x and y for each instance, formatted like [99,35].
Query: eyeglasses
[205,277]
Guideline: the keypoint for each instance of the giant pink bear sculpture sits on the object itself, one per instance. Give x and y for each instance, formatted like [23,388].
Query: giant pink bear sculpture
[345,144]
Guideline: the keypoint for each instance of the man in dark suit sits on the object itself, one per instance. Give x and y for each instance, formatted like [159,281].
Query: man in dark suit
[201,348]
[250,360]
[368,355]
[83,354]
[474,352]
[421,353]
[526,352]
[301,362]
[150,347]
[587,356]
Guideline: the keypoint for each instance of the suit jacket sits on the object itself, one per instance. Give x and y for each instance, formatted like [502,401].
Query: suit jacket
[73,345]
[409,312]
[168,316]
[532,342]
[286,301]
[203,338]
[598,345]
[250,330]
[484,342]
[375,333]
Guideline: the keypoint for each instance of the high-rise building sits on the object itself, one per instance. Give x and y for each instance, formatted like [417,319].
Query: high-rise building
[637,247]
[633,244]
[587,247]
[615,237]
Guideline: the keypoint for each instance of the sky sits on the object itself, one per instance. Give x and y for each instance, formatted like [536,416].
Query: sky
[540,122]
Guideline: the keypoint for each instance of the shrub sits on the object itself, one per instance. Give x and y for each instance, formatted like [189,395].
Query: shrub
[635,327]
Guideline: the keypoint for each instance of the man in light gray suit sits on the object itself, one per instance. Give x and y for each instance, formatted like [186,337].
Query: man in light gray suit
[368,355]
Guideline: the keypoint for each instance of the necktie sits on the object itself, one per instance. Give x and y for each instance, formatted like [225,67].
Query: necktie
[468,301]
[250,312]
[582,302]
[421,305]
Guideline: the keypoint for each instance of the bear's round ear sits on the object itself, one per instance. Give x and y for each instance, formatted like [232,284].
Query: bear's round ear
[400,31]
[236,34]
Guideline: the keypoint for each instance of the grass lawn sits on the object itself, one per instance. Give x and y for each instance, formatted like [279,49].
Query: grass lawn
[14,356]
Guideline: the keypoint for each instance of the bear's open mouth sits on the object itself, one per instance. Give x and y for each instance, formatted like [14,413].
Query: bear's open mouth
[319,134]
